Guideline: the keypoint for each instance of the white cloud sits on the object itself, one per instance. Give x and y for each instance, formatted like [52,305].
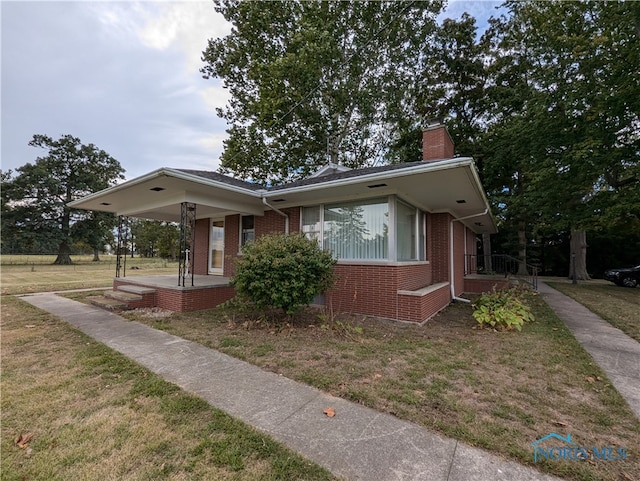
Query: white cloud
[215,96]
[185,25]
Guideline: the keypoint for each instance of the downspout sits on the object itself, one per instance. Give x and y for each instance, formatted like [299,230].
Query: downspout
[286,217]
[451,257]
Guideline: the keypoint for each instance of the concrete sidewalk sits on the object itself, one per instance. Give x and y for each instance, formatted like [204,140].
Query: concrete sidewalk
[357,444]
[616,353]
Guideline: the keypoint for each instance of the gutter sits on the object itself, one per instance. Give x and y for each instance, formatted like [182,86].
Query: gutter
[451,258]
[286,217]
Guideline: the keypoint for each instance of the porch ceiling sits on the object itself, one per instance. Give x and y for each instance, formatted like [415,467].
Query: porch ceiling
[158,196]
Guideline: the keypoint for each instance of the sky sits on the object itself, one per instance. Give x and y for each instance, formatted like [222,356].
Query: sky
[122,75]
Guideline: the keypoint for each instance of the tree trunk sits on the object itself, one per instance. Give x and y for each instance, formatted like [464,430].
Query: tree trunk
[64,255]
[578,259]
[486,251]
[522,249]
[96,255]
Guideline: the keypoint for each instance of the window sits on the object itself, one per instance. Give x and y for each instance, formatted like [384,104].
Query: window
[311,222]
[247,231]
[406,232]
[360,230]
[357,230]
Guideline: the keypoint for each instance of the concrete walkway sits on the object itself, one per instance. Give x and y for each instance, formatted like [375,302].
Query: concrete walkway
[357,444]
[616,353]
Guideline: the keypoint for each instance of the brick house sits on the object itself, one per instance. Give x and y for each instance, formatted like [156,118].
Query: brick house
[401,233]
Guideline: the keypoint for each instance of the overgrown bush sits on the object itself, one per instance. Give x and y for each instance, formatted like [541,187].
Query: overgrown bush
[283,271]
[503,309]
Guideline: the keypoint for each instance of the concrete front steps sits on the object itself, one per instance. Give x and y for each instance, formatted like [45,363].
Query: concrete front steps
[126,297]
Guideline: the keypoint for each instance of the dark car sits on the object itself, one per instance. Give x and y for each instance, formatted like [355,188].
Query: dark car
[628,277]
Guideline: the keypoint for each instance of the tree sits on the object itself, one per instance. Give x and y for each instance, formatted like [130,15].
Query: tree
[96,230]
[454,79]
[580,110]
[38,195]
[155,238]
[313,82]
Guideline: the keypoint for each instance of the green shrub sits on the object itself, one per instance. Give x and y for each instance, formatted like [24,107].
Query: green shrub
[283,271]
[503,309]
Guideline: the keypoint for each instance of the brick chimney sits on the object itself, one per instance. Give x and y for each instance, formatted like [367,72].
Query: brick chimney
[436,142]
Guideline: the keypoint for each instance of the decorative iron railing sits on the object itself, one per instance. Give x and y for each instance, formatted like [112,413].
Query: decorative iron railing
[501,264]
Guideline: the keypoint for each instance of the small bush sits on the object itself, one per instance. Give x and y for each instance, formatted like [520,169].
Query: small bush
[503,309]
[283,271]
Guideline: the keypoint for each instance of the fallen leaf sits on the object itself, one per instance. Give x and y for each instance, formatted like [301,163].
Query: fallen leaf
[590,379]
[330,412]
[559,423]
[377,376]
[23,440]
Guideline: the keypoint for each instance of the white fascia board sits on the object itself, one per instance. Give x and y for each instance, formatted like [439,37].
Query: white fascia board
[387,174]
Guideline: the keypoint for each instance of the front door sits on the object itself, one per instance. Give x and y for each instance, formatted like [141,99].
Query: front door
[216,247]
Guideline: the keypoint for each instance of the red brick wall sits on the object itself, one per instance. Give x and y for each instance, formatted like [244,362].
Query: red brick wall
[201,249]
[436,144]
[231,243]
[459,238]
[294,219]
[269,223]
[181,299]
[413,277]
[420,308]
[440,247]
[365,289]
[184,300]
[373,289]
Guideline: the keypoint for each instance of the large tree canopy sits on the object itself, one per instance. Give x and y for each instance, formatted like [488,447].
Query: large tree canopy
[35,200]
[566,97]
[313,82]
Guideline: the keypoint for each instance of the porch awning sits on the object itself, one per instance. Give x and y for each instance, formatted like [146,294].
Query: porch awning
[159,194]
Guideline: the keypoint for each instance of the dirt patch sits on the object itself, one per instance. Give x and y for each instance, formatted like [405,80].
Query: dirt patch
[152,312]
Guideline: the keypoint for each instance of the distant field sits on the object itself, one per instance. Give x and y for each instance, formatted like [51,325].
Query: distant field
[23,274]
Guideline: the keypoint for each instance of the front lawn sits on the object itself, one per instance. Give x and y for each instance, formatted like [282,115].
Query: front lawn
[87,412]
[497,390]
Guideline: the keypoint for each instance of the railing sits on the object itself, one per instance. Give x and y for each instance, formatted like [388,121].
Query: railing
[501,264]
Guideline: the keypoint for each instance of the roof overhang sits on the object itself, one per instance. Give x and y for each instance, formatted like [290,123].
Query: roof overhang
[448,186]
[159,195]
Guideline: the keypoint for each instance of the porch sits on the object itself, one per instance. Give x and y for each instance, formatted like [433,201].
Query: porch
[165,293]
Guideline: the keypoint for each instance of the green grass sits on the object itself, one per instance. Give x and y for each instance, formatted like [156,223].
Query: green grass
[497,390]
[24,274]
[620,306]
[94,414]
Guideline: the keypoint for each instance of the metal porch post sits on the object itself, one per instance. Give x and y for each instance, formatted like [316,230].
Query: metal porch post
[187,241]
[123,239]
